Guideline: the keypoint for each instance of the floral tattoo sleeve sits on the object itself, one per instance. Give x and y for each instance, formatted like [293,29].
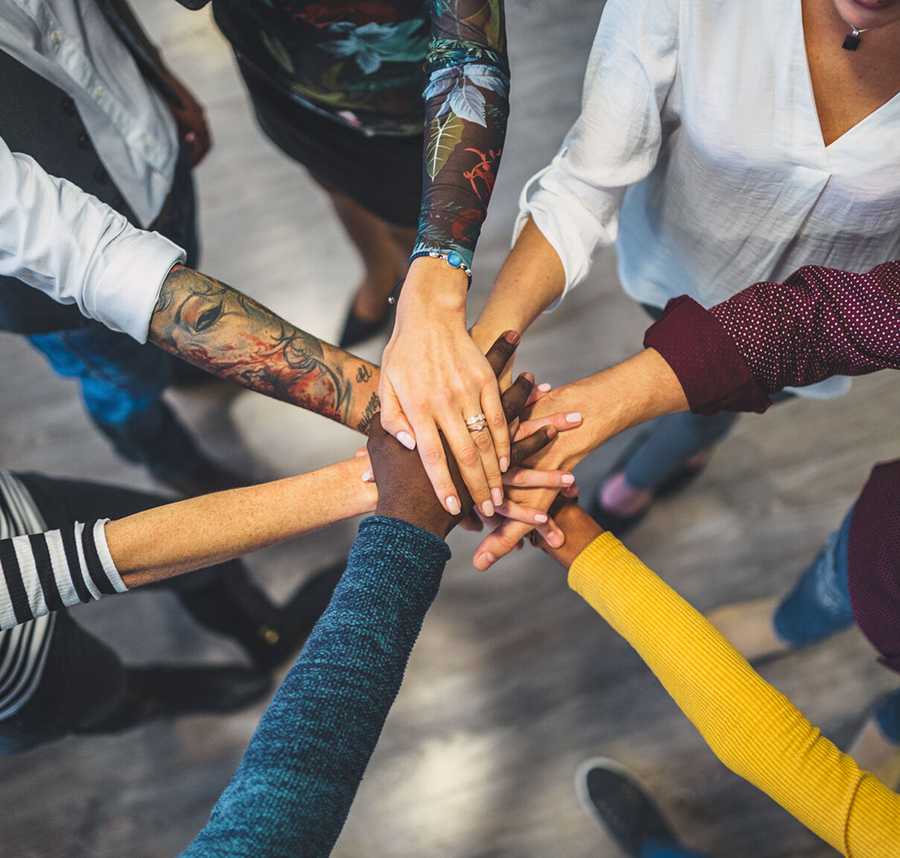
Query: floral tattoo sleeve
[228,334]
[466,103]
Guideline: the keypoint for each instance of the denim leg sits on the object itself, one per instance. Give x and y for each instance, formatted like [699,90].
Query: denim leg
[819,605]
[121,383]
[673,439]
[887,714]
[665,850]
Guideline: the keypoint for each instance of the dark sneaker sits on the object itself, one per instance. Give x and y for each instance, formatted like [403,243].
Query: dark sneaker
[618,803]
[161,692]
[357,330]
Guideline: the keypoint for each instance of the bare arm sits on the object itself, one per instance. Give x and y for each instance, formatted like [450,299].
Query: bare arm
[192,534]
[228,334]
[531,279]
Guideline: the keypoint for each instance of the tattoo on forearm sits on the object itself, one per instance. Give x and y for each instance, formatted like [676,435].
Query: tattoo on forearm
[372,409]
[234,337]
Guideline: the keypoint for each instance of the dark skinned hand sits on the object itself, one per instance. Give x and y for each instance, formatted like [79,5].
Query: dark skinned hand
[404,490]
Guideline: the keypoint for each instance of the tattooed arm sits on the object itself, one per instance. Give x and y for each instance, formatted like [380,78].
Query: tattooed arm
[434,374]
[228,334]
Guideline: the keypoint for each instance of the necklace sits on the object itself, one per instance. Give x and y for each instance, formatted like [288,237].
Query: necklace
[853,39]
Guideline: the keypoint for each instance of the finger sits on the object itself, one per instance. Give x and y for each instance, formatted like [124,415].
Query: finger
[490,463]
[431,451]
[529,478]
[495,456]
[499,543]
[503,349]
[564,421]
[393,420]
[517,512]
[570,492]
[538,393]
[551,534]
[469,461]
[527,447]
[516,396]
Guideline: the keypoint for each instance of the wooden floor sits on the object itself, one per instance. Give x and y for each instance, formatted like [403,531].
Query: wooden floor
[514,680]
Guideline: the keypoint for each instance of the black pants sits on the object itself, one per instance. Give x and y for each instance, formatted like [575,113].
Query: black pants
[84,680]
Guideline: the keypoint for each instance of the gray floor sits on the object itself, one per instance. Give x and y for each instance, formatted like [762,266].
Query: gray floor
[514,679]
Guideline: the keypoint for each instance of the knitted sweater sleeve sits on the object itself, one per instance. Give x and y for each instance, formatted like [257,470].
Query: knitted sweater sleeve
[749,725]
[294,787]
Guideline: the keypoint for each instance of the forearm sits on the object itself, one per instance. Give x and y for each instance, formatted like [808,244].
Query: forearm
[192,534]
[230,335]
[531,279]
[296,783]
[753,729]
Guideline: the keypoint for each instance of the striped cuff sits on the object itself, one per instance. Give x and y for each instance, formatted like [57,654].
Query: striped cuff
[45,572]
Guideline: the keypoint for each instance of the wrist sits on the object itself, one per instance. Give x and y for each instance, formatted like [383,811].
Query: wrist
[435,521]
[435,285]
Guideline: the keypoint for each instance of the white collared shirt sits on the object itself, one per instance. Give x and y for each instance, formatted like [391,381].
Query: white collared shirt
[71,44]
[68,244]
[700,155]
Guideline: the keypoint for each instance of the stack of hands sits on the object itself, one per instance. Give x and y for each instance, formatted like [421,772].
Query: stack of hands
[438,487]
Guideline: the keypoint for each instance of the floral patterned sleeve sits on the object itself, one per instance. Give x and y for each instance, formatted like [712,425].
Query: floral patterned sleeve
[466,107]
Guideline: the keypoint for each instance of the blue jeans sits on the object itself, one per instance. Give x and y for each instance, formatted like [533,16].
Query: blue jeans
[121,380]
[819,606]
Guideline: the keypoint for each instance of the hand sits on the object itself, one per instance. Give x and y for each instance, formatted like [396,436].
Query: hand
[404,488]
[570,448]
[191,120]
[579,528]
[433,377]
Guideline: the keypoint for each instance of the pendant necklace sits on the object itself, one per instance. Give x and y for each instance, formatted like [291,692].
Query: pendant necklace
[853,39]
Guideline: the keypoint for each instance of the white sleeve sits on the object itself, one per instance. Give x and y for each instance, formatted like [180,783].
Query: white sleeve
[615,141]
[57,238]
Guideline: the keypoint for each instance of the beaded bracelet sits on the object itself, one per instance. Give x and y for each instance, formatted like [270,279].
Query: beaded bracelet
[453,258]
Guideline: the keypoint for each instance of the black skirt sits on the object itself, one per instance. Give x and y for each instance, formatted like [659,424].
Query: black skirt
[381,173]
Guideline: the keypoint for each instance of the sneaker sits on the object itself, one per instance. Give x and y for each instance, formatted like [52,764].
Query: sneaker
[621,807]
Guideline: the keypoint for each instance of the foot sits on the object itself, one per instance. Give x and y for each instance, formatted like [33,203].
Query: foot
[161,692]
[233,606]
[750,626]
[875,753]
[201,477]
[369,316]
[618,506]
[620,806]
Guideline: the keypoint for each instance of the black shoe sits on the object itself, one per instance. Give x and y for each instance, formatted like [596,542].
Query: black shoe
[619,805]
[234,606]
[201,476]
[160,692]
[357,330]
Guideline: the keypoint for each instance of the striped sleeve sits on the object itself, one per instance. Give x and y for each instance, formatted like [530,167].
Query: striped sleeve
[44,572]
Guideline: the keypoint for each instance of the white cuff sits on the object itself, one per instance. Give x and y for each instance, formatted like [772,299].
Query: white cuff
[109,566]
[134,266]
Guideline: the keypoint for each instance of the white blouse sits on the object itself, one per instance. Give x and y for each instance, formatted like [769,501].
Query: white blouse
[699,153]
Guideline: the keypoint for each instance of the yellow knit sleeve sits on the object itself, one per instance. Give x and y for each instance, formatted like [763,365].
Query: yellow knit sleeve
[750,726]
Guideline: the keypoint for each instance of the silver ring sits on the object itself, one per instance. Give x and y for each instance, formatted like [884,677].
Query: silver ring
[476,423]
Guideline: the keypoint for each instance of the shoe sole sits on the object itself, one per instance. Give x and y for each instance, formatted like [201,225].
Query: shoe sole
[581,790]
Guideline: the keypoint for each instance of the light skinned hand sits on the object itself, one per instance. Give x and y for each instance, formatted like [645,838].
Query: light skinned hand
[433,377]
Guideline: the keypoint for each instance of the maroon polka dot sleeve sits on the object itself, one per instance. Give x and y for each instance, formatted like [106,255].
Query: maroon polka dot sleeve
[818,323]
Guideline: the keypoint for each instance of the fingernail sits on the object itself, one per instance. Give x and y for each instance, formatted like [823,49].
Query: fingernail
[504,466]
[568,479]
[453,505]
[406,440]
[482,561]
[368,477]
[540,518]
[543,388]
[497,496]
[555,539]
[573,417]
[512,337]
[488,509]
[528,376]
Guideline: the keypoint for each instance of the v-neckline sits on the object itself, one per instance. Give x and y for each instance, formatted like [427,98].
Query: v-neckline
[811,94]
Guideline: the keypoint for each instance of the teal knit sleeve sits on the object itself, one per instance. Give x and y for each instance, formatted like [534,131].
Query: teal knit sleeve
[294,787]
